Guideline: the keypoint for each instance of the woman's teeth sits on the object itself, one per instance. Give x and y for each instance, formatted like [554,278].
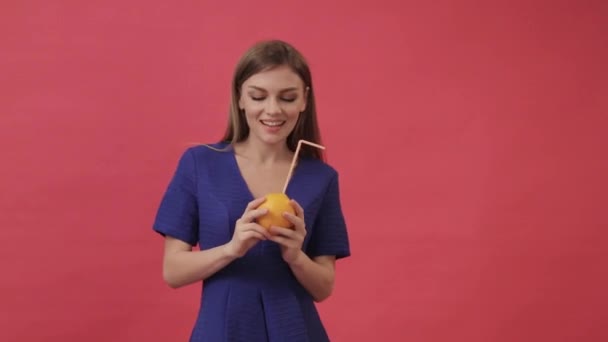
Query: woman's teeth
[272,123]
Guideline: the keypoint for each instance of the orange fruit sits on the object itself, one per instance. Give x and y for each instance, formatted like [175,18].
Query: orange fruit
[277,204]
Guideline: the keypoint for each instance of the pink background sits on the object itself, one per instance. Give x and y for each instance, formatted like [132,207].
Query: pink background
[469,137]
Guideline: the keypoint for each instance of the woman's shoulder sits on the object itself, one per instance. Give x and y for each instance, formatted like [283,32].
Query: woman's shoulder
[204,155]
[208,150]
[319,167]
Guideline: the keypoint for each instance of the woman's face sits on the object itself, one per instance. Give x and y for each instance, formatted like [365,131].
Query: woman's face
[272,101]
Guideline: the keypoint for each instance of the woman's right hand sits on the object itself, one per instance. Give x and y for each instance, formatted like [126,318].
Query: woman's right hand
[246,231]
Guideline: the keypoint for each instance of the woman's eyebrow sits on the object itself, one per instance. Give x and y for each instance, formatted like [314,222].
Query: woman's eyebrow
[282,90]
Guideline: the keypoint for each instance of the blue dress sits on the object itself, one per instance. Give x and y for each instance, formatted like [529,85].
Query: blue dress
[256,298]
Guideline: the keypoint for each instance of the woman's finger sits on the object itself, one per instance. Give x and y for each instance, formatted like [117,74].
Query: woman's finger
[299,210]
[257,228]
[255,203]
[251,215]
[253,234]
[281,240]
[286,232]
[252,226]
[297,222]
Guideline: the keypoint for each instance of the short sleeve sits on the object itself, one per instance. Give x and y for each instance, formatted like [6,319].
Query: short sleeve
[329,234]
[177,215]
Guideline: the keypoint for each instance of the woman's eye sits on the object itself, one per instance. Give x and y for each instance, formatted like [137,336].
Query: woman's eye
[262,98]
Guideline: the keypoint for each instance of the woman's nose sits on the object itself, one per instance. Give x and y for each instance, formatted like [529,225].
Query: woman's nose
[272,106]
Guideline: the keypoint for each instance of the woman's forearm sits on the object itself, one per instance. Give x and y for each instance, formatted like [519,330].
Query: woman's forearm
[317,276]
[186,267]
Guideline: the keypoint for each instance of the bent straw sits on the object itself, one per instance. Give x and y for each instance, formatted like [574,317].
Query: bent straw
[295,158]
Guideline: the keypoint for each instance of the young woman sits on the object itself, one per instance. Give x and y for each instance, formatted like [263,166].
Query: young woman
[258,284]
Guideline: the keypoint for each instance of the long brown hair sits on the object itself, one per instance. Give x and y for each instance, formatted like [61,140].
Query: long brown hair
[266,55]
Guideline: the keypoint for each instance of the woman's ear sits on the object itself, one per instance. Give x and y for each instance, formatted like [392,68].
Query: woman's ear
[305,102]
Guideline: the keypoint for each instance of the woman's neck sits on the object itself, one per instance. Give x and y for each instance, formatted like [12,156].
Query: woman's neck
[262,153]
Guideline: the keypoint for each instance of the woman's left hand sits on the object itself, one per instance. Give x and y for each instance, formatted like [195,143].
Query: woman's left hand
[291,239]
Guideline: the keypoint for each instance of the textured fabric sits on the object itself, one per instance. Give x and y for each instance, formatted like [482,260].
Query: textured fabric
[255,298]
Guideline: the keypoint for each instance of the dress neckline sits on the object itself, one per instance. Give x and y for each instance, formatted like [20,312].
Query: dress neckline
[243,183]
